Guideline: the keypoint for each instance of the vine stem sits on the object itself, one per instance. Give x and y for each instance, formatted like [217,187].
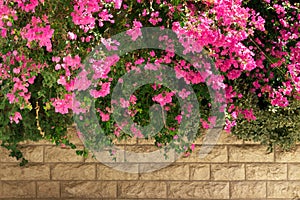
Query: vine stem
[37,109]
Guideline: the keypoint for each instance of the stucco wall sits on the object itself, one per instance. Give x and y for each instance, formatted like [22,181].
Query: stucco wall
[233,170]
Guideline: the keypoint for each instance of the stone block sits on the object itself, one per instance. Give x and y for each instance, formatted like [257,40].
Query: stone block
[89,189]
[47,189]
[250,153]
[199,172]
[224,138]
[247,190]
[199,190]
[114,172]
[31,153]
[73,172]
[28,172]
[172,172]
[283,189]
[212,155]
[17,189]
[266,172]
[142,189]
[227,172]
[294,171]
[290,156]
[59,154]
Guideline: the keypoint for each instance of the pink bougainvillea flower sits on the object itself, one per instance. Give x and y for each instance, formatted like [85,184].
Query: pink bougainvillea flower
[229,124]
[163,98]
[110,44]
[104,15]
[150,66]
[137,133]
[15,118]
[135,32]
[117,3]
[55,59]
[104,116]
[178,118]
[63,105]
[62,80]
[4,32]
[212,120]
[124,103]
[154,18]
[184,93]
[133,99]
[152,53]
[82,82]
[105,90]
[72,36]
[248,114]
[11,98]
[204,124]
[36,31]
[192,147]
[83,13]
[278,99]
[117,130]
[79,134]
[28,6]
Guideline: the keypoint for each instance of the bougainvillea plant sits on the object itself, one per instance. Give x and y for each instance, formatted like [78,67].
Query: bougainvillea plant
[254,45]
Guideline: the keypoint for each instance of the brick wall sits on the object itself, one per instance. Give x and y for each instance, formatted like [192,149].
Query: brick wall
[233,170]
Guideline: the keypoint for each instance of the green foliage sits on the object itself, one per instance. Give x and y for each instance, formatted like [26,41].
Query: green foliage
[273,126]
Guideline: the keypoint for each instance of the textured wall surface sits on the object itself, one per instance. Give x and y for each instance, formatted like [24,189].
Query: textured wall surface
[233,170]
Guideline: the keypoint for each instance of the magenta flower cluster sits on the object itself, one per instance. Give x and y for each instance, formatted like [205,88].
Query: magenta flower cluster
[234,36]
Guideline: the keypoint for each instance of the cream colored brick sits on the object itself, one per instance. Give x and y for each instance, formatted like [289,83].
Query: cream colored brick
[28,172]
[173,172]
[148,168]
[294,171]
[291,156]
[227,172]
[105,156]
[17,189]
[114,172]
[247,190]
[73,172]
[31,153]
[5,156]
[199,190]
[89,189]
[129,141]
[224,138]
[142,189]
[250,154]
[148,154]
[142,141]
[58,154]
[217,154]
[199,172]
[283,189]
[141,148]
[48,189]
[266,172]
